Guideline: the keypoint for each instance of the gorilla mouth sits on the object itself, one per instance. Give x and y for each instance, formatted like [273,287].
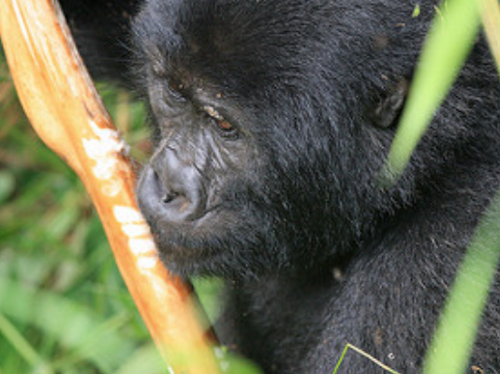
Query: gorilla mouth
[205,246]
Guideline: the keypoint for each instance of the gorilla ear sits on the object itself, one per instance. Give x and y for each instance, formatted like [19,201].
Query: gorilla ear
[388,110]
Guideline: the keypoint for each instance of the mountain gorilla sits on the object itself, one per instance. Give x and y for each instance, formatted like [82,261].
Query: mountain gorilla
[272,120]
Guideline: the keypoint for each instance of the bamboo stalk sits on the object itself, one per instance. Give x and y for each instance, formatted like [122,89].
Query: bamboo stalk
[64,108]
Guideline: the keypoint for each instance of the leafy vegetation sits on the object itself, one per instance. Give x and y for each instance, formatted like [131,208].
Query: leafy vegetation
[63,305]
[447,46]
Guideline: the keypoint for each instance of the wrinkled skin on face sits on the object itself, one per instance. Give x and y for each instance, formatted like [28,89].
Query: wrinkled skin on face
[271,121]
[194,189]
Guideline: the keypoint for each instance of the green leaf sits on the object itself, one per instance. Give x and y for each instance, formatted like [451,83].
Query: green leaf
[7,185]
[144,360]
[449,41]
[73,326]
[452,343]
[232,363]
[416,11]
[209,291]
[22,346]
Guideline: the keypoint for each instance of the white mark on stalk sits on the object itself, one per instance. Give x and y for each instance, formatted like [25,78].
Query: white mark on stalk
[135,230]
[147,262]
[222,359]
[140,242]
[103,149]
[127,215]
[141,246]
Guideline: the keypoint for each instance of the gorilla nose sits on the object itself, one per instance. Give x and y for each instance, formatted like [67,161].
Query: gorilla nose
[171,189]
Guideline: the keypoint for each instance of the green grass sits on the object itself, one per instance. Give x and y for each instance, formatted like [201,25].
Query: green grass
[448,44]
[63,305]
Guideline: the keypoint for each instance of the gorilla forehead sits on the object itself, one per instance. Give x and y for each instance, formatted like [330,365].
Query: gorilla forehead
[249,46]
[226,28]
[220,39]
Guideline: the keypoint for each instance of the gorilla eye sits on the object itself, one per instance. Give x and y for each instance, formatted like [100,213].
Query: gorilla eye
[224,126]
[174,91]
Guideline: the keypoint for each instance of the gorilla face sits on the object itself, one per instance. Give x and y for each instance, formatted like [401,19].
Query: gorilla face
[272,120]
[196,190]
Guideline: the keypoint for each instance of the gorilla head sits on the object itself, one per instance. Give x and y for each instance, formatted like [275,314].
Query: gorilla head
[269,137]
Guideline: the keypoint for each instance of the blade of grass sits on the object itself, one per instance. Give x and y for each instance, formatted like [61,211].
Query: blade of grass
[71,324]
[448,44]
[455,335]
[25,350]
[364,354]
[454,338]
[490,15]
[7,185]
[96,341]
[452,343]
[144,360]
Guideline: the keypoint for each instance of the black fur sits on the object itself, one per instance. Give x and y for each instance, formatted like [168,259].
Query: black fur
[316,254]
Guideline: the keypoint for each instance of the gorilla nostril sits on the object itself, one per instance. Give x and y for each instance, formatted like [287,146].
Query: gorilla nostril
[169,197]
[176,202]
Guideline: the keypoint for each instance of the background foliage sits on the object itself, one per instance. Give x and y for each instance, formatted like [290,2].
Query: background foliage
[63,305]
